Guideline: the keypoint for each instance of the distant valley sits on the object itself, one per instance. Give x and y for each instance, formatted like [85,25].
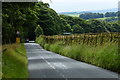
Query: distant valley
[109,15]
[92,11]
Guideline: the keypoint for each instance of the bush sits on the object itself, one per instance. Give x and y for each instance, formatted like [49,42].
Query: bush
[40,40]
[56,47]
[46,46]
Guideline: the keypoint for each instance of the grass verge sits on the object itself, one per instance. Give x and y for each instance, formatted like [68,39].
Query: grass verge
[14,61]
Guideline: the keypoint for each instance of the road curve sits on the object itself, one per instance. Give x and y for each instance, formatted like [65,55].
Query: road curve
[46,64]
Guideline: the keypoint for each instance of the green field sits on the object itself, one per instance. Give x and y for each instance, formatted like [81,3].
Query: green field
[14,61]
[77,15]
[105,18]
[73,15]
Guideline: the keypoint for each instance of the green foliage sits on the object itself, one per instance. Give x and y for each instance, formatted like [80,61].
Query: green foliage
[67,28]
[49,20]
[14,61]
[24,17]
[46,46]
[77,29]
[38,31]
[79,25]
[18,17]
[98,15]
[111,14]
[91,15]
[112,19]
[73,21]
[108,19]
[55,47]
[113,27]
[97,26]
[40,40]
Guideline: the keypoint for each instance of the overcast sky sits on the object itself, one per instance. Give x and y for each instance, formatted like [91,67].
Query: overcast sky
[81,5]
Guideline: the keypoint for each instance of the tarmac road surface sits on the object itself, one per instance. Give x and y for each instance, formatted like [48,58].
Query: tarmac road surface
[44,64]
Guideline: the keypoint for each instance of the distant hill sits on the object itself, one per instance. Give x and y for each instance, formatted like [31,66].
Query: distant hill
[93,11]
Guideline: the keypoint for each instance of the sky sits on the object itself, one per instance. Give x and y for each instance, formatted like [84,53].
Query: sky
[81,5]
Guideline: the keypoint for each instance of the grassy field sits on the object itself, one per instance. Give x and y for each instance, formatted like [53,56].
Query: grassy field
[14,61]
[73,15]
[105,55]
[105,18]
[77,15]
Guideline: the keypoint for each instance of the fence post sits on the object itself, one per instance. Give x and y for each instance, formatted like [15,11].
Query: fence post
[84,38]
[96,39]
[101,41]
[111,37]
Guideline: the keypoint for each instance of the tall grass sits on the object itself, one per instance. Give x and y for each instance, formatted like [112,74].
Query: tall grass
[14,61]
[104,56]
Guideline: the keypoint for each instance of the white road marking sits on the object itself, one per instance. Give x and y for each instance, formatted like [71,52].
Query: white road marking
[48,62]
[60,65]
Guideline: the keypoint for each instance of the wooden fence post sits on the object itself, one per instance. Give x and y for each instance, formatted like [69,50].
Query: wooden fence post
[84,38]
[111,38]
[101,41]
[96,39]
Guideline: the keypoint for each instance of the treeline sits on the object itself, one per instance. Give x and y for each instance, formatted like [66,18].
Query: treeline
[30,19]
[34,19]
[18,17]
[91,15]
[111,19]
[78,25]
[98,15]
[111,14]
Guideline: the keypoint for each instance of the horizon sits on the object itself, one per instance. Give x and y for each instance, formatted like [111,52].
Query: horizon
[87,10]
[79,6]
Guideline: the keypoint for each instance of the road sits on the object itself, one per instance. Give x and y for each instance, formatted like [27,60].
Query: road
[45,64]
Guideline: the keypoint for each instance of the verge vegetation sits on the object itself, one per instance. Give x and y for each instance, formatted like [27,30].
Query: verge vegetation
[14,61]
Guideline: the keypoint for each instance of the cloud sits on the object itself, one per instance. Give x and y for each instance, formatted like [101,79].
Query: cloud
[81,5]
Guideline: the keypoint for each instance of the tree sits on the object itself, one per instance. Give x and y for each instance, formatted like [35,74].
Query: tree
[115,27]
[20,17]
[97,26]
[32,19]
[91,15]
[67,28]
[77,29]
[49,20]
[38,31]
[111,14]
